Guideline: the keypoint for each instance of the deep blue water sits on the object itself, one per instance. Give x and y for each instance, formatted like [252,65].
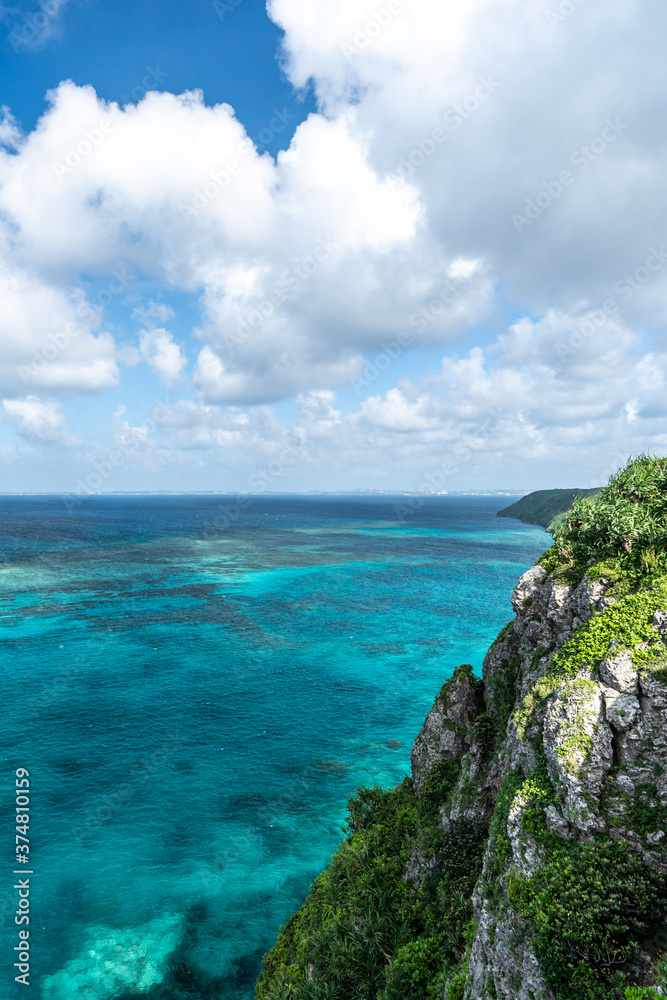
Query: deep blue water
[195,703]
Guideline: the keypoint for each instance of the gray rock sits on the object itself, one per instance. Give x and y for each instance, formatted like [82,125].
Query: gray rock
[443,735]
[557,823]
[578,745]
[585,723]
[660,622]
[502,956]
[625,783]
[622,711]
[620,673]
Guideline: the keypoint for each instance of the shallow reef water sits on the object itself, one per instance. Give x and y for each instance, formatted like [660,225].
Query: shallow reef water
[133,959]
[196,689]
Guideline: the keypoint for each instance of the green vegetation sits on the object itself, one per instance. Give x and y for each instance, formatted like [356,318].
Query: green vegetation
[392,916]
[628,623]
[543,506]
[366,931]
[500,849]
[590,905]
[621,533]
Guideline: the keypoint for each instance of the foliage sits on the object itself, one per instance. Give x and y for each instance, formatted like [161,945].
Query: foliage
[367,932]
[485,735]
[662,975]
[551,560]
[641,993]
[503,693]
[644,811]
[418,971]
[456,985]
[623,529]
[500,849]
[436,788]
[589,907]
[627,623]
[542,506]
[445,893]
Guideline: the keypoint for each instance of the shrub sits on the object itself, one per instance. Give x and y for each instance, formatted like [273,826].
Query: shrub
[623,527]
[418,971]
[589,907]
[365,931]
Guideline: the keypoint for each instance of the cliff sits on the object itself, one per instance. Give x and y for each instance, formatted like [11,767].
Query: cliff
[526,857]
[545,507]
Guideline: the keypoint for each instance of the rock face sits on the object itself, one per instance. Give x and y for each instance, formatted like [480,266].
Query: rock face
[526,859]
[444,733]
[594,730]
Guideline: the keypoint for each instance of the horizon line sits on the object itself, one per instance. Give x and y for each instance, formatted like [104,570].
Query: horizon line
[274,493]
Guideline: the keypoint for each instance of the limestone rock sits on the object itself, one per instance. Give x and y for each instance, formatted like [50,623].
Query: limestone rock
[622,711]
[502,961]
[556,822]
[443,735]
[578,745]
[604,734]
[620,673]
[660,622]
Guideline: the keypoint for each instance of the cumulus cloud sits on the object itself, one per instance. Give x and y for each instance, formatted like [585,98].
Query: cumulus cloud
[48,336]
[10,133]
[153,312]
[269,245]
[467,163]
[157,347]
[518,99]
[38,421]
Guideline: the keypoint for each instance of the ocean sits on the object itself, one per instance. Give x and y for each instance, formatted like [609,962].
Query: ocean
[195,687]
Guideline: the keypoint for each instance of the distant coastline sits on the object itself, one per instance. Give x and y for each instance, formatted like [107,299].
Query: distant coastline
[275,493]
[546,508]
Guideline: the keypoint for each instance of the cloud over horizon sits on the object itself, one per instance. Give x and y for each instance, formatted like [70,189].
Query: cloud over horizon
[459,254]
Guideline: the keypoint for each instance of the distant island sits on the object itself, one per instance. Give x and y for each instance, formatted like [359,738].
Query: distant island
[545,507]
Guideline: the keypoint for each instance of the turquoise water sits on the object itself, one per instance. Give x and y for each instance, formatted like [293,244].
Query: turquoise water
[196,702]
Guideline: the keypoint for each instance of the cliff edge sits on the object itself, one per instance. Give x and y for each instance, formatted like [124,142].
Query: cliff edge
[526,857]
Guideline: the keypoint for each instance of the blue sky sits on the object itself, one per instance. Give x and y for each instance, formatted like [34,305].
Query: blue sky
[230,54]
[406,248]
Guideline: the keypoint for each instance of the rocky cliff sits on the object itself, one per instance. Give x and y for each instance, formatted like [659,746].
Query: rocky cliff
[527,856]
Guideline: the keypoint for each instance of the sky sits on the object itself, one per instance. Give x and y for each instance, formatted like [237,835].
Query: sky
[330,244]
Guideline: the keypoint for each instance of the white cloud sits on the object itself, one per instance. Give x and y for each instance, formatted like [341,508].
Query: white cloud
[38,421]
[393,412]
[157,347]
[32,25]
[389,215]
[10,133]
[275,240]
[47,338]
[153,312]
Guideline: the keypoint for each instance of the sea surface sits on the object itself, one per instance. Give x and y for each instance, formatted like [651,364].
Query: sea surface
[196,687]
